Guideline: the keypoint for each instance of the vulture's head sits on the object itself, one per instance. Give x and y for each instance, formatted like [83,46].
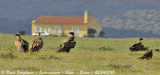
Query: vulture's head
[18,34]
[140,38]
[72,33]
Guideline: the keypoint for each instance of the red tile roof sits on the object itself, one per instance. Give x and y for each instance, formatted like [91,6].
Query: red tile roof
[61,19]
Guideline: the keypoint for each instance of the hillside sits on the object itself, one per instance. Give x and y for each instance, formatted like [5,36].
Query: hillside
[138,15]
[13,26]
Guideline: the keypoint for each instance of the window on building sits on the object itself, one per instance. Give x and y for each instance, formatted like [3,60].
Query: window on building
[75,29]
[98,30]
[47,29]
[57,29]
[38,29]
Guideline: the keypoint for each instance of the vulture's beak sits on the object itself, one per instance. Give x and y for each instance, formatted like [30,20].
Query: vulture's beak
[72,33]
[17,34]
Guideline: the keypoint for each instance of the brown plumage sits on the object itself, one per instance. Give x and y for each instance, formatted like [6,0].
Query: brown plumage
[67,44]
[147,55]
[36,44]
[137,46]
[139,42]
[21,45]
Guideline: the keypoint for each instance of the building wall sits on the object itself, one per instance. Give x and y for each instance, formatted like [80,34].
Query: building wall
[82,29]
[65,28]
[95,24]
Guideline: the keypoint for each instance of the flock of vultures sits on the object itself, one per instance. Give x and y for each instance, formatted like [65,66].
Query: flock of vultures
[67,44]
[36,44]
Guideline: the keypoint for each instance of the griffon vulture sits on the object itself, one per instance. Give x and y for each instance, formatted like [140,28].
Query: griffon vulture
[138,46]
[21,45]
[147,55]
[36,44]
[67,44]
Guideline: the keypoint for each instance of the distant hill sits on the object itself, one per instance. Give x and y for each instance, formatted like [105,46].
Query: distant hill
[116,33]
[13,26]
[140,16]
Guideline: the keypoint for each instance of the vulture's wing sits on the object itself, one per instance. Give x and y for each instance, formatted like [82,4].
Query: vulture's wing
[70,44]
[59,48]
[21,45]
[37,43]
[134,44]
[24,43]
[147,53]
[65,40]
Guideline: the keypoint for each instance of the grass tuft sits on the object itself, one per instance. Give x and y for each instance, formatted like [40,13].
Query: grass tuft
[119,66]
[103,48]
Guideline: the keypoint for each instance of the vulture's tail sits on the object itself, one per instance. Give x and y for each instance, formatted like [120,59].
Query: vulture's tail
[59,48]
[141,58]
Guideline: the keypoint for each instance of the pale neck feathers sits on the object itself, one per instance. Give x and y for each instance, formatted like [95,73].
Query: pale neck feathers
[72,36]
[139,40]
[18,37]
[38,36]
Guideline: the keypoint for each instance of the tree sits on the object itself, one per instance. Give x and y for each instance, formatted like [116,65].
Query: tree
[101,34]
[91,32]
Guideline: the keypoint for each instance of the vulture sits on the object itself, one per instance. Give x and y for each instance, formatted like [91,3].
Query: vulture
[147,55]
[156,49]
[137,46]
[36,44]
[21,45]
[67,44]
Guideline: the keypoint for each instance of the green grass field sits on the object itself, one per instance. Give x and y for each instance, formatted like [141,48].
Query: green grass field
[90,55]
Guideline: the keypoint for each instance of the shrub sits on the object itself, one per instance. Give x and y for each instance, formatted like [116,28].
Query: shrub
[8,55]
[119,66]
[103,48]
